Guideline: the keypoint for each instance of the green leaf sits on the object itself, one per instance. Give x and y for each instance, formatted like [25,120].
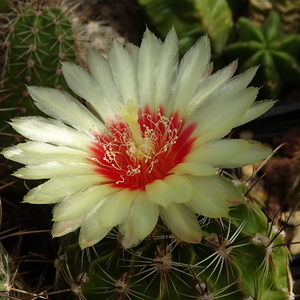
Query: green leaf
[242,50]
[182,14]
[289,44]
[217,21]
[288,67]
[249,31]
[272,27]
[272,78]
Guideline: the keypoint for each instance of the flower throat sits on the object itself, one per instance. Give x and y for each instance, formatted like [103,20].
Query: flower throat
[139,148]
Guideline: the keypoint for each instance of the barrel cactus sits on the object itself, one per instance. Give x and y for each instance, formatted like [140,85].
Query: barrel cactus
[36,36]
[140,176]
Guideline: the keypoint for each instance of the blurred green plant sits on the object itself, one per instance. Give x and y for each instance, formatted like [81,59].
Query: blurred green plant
[289,11]
[191,19]
[269,47]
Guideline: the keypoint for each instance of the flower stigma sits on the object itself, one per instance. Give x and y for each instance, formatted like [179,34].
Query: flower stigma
[130,116]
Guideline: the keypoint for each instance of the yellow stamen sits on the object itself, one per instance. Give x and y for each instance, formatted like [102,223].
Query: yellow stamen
[130,116]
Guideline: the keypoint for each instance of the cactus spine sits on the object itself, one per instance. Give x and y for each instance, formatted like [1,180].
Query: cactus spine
[241,257]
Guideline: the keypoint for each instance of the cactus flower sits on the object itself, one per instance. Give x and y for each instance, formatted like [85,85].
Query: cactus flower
[149,143]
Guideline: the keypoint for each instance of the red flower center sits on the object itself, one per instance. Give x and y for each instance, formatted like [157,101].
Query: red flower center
[127,164]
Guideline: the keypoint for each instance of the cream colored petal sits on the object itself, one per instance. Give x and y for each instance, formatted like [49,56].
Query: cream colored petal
[129,240]
[62,228]
[115,209]
[159,193]
[216,117]
[81,203]
[210,85]
[140,222]
[39,153]
[167,67]
[228,101]
[182,222]
[51,131]
[124,73]
[101,71]
[134,52]
[192,68]
[172,188]
[85,86]
[254,153]
[213,196]
[62,106]
[257,109]
[197,168]
[229,153]
[55,189]
[218,151]
[54,169]
[147,68]
[91,232]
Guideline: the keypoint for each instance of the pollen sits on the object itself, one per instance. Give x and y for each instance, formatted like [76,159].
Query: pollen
[140,147]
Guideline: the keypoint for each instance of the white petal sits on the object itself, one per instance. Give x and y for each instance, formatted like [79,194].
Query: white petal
[147,68]
[210,85]
[213,196]
[143,216]
[172,188]
[167,66]
[134,52]
[257,109]
[55,189]
[221,112]
[51,131]
[140,222]
[65,227]
[81,203]
[62,106]
[182,222]
[85,86]
[129,240]
[241,81]
[215,94]
[192,67]
[123,72]
[197,168]
[159,193]
[101,71]
[38,153]
[55,169]
[254,153]
[229,153]
[114,209]
[91,232]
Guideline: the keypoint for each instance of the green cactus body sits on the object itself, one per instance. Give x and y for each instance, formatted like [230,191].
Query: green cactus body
[269,47]
[240,257]
[36,38]
[11,285]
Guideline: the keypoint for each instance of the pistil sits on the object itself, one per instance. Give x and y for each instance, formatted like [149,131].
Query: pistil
[130,116]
